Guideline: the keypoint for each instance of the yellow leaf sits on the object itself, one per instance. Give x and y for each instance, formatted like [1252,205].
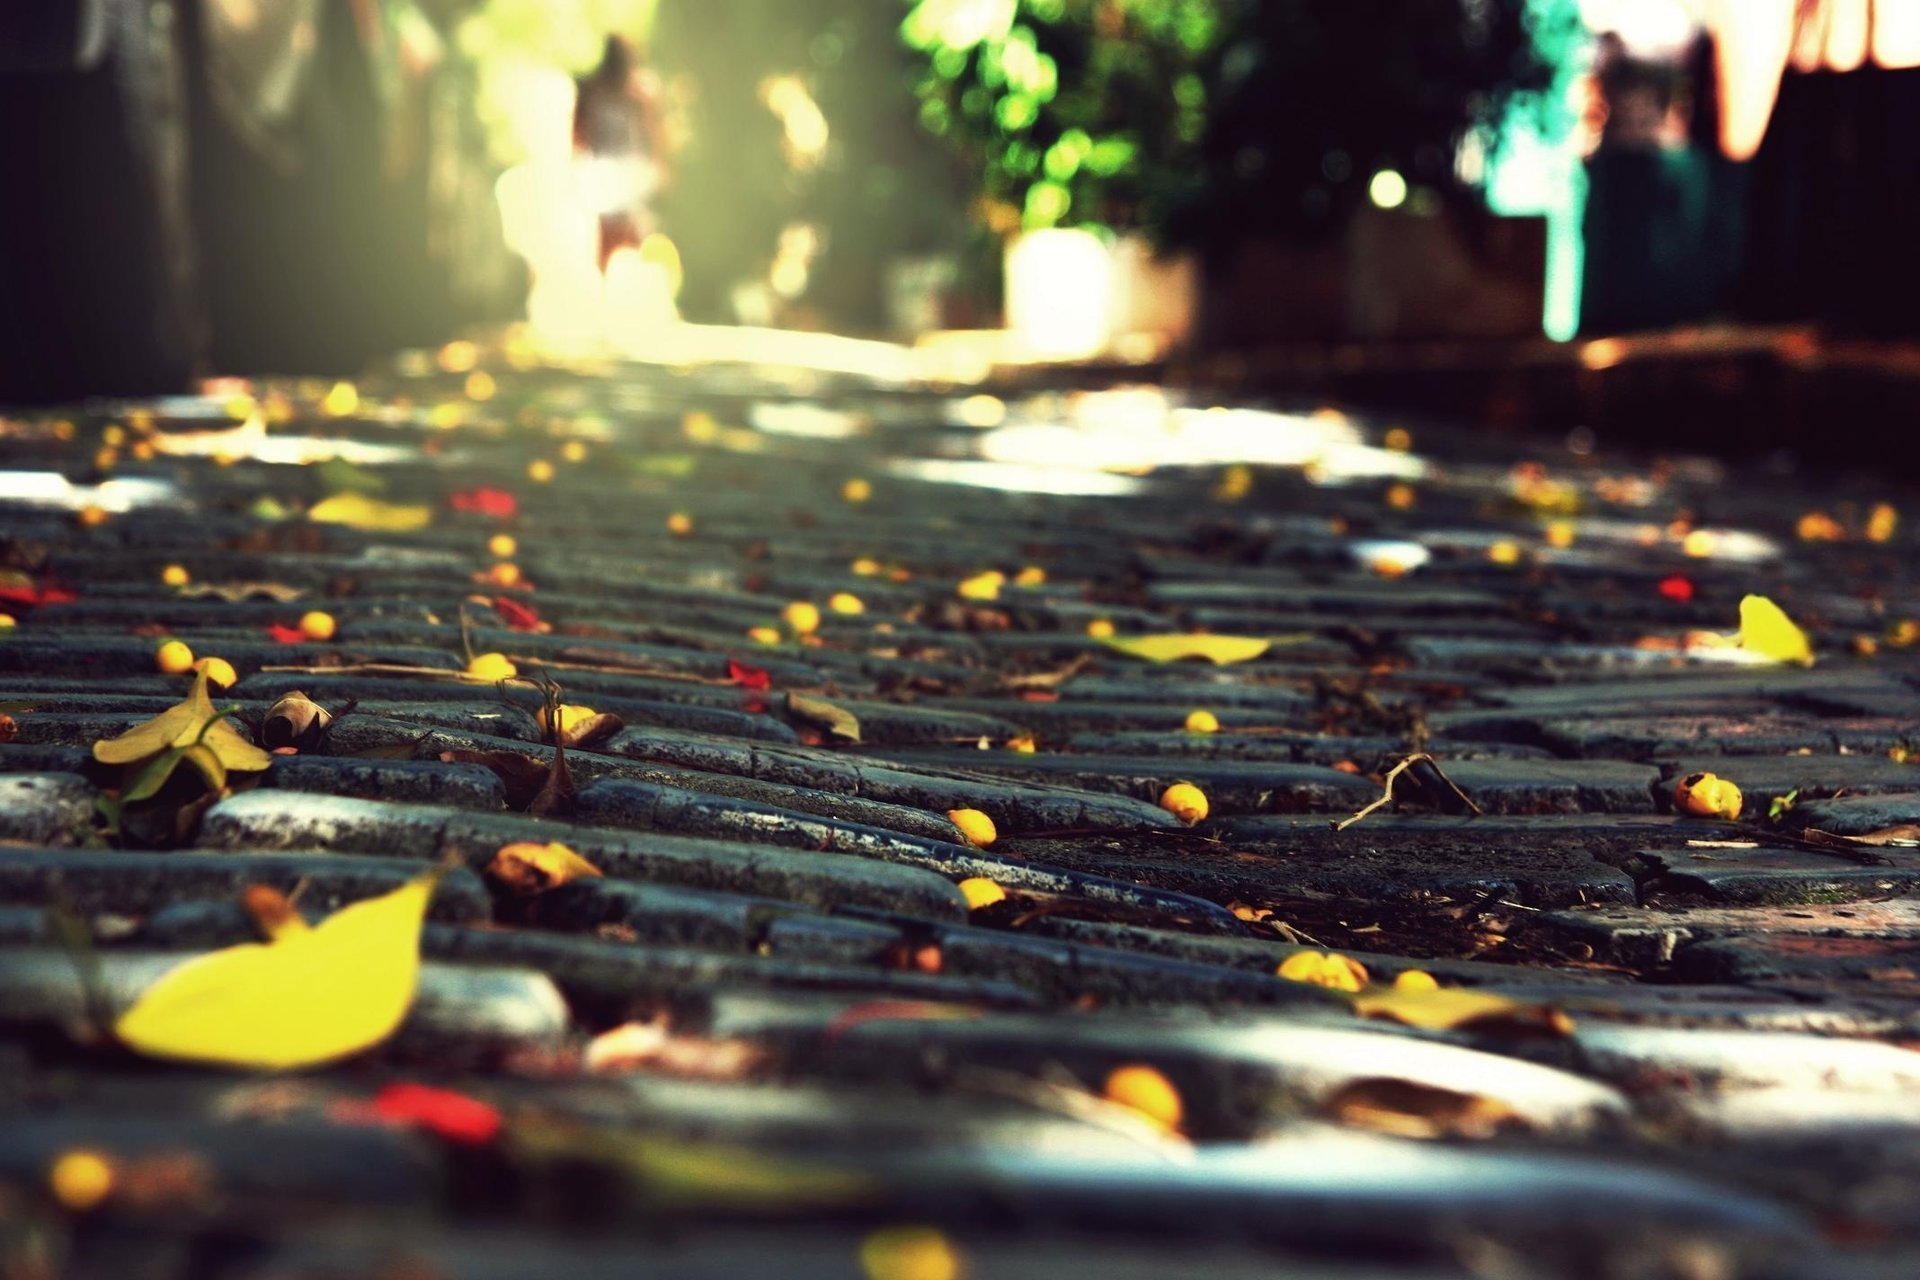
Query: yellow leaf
[357,511]
[154,736]
[529,867]
[1450,1009]
[1218,649]
[1766,630]
[308,997]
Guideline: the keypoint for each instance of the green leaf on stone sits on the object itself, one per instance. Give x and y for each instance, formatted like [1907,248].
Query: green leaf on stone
[337,475]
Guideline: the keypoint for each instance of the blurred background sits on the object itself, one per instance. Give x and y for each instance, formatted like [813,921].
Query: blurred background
[1470,206]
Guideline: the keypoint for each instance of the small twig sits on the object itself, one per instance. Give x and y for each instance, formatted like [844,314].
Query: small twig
[1386,789]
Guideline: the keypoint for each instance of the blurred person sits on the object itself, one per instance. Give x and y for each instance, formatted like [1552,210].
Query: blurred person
[618,138]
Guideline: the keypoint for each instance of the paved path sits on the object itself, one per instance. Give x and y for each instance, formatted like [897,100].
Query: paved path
[775,1037]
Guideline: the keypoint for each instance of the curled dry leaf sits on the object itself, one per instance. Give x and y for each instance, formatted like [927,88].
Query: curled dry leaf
[578,726]
[234,592]
[836,720]
[295,721]
[527,866]
[1407,1109]
[653,1046]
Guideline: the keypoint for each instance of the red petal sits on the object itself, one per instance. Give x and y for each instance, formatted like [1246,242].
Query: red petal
[286,635]
[1676,588]
[453,1116]
[517,616]
[748,677]
[486,501]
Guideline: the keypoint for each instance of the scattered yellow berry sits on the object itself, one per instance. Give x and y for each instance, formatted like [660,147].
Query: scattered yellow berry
[318,626]
[680,524]
[802,616]
[1023,744]
[175,575]
[845,602]
[220,672]
[1415,980]
[173,657]
[1148,1092]
[91,516]
[1324,969]
[866,567]
[8,622]
[763,635]
[1818,526]
[114,436]
[502,573]
[909,1253]
[978,829]
[80,1180]
[1184,801]
[981,892]
[700,427]
[982,586]
[1882,521]
[1700,543]
[341,400]
[1100,629]
[1401,497]
[574,451]
[540,471]
[144,450]
[1560,534]
[1202,721]
[857,489]
[1707,795]
[1504,553]
[1031,576]
[492,666]
[480,385]
[1398,439]
[502,546]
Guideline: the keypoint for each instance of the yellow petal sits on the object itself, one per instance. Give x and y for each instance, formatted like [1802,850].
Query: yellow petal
[357,511]
[1218,649]
[1766,630]
[309,997]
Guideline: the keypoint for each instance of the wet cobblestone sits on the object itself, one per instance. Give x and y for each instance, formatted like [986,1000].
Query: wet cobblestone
[787,1018]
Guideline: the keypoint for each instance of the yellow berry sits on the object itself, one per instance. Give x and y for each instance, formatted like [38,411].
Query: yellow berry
[317,626]
[1023,744]
[341,400]
[502,546]
[680,524]
[540,471]
[866,567]
[1184,801]
[983,586]
[480,385]
[1031,576]
[1415,980]
[175,575]
[574,451]
[1146,1091]
[105,459]
[981,892]
[1398,439]
[1202,721]
[763,635]
[1504,553]
[1324,969]
[492,666]
[1707,795]
[503,574]
[857,490]
[80,1180]
[909,1253]
[1401,497]
[846,602]
[173,657]
[1560,534]
[220,672]
[8,622]
[1100,629]
[976,826]
[802,617]
[114,436]
[91,516]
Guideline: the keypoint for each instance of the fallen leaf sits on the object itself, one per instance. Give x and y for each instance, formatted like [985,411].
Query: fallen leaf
[520,775]
[337,475]
[1766,630]
[190,731]
[310,996]
[579,726]
[836,720]
[1900,835]
[517,616]
[281,634]
[442,1112]
[1455,1009]
[296,721]
[748,677]
[487,501]
[527,866]
[1216,649]
[357,511]
[22,591]
[1408,1109]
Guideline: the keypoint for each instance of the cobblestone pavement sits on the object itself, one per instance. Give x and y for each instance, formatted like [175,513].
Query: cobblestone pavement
[776,1037]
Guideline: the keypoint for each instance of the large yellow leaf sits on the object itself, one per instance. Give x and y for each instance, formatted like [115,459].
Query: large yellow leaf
[1218,649]
[358,511]
[178,726]
[309,996]
[1766,630]
[1451,1008]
